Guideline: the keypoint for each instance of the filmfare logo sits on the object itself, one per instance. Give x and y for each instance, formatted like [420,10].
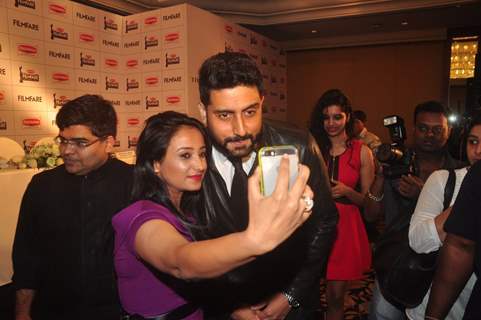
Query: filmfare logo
[87,80]
[34,99]
[150,41]
[56,8]
[132,84]
[31,122]
[132,44]
[171,59]
[30,4]
[150,61]
[170,80]
[26,25]
[151,102]
[131,141]
[133,103]
[59,101]
[131,25]
[109,24]
[84,16]
[59,55]
[28,75]
[86,60]
[58,33]
[171,17]
[27,50]
[111,43]
[111,83]
[60,77]
[171,100]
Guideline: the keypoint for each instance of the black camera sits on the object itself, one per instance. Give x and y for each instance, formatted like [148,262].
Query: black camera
[398,159]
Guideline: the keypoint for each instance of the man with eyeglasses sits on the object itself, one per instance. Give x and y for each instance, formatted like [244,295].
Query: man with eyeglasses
[396,198]
[63,247]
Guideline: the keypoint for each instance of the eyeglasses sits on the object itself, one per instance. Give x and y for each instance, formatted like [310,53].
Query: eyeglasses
[76,143]
[436,130]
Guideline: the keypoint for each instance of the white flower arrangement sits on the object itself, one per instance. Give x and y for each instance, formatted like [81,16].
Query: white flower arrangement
[40,156]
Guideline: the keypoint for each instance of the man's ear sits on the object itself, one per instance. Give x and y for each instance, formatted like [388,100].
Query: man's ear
[203,113]
[109,146]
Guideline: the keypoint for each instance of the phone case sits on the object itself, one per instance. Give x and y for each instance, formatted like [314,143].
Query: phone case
[269,161]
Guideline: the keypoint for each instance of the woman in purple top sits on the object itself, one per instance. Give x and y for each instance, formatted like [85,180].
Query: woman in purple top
[155,232]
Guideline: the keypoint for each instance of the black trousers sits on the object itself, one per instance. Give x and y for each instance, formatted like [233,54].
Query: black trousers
[7,302]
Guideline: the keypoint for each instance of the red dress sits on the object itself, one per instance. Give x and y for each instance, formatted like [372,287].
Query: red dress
[351,254]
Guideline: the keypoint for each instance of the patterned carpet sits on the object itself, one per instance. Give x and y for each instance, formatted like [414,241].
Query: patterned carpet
[356,306]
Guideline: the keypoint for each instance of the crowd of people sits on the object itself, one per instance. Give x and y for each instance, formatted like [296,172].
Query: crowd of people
[187,233]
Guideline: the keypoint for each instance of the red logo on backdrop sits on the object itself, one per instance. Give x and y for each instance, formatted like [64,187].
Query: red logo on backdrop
[58,76]
[27,49]
[133,121]
[132,63]
[172,36]
[86,37]
[2,97]
[173,99]
[111,62]
[150,20]
[228,28]
[151,80]
[31,122]
[56,8]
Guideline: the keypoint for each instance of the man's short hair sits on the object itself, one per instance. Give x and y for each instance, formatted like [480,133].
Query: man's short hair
[359,115]
[430,106]
[228,70]
[89,110]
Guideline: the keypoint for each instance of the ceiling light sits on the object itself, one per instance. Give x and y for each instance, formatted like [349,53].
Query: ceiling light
[313,31]
[404,23]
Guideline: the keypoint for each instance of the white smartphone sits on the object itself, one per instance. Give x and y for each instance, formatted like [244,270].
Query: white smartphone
[269,162]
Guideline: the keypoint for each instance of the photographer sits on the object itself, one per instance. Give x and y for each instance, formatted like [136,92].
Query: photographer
[396,195]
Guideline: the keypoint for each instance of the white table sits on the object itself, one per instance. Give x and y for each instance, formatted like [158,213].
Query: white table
[12,186]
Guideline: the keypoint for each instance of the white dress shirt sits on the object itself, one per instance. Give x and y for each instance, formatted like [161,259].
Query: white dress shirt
[226,168]
[424,238]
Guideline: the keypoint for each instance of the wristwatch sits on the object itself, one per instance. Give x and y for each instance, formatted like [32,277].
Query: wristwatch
[291,300]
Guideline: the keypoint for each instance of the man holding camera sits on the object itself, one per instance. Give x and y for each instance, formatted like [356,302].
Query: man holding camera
[396,196]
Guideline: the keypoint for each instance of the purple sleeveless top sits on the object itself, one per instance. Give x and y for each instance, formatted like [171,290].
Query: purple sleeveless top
[141,292]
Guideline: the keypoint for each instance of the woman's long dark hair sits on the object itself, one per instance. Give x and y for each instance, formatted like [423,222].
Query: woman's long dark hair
[152,146]
[332,97]
[474,120]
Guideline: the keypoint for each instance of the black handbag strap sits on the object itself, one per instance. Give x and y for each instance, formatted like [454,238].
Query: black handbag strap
[449,188]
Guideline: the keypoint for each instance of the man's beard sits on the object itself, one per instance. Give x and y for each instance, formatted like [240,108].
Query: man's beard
[239,152]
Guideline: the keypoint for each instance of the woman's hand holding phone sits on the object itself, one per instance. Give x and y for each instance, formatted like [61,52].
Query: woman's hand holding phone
[274,218]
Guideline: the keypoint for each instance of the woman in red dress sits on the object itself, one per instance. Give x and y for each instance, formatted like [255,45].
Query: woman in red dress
[351,169]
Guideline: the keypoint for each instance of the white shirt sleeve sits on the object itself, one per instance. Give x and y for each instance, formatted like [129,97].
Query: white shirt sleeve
[423,236]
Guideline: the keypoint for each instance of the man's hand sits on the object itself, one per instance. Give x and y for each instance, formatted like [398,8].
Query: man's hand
[245,313]
[410,186]
[276,308]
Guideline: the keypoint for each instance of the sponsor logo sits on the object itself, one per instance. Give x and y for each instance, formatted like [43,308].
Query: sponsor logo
[31,122]
[86,60]
[111,43]
[151,61]
[110,24]
[132,63]
[3,71]
[131,26]
[242,34]
[2,97]
[150,21]
[86,37]
[132,44]
[228,28]
[59,101]
[3,124]
[58,33]
[84,16]
[22,98]
[132,84]
[134,103]
[25,3]
[151,102]
[56,8]
[133,121]
[112,63]
[172,99]
[87,80]
[150,42]
[131,141]
[171,37]
[60,77]
[172,16]
[59,55]
[151,81]
[29,75]
[168,80]
[27,50]
[26,25]
[111,83]
[171,59]
[253,40]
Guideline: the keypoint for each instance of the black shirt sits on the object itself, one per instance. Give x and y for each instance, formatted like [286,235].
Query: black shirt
[465,222]
[63,247]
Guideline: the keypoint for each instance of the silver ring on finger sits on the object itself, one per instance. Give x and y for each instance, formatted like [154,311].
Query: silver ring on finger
[309,203]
